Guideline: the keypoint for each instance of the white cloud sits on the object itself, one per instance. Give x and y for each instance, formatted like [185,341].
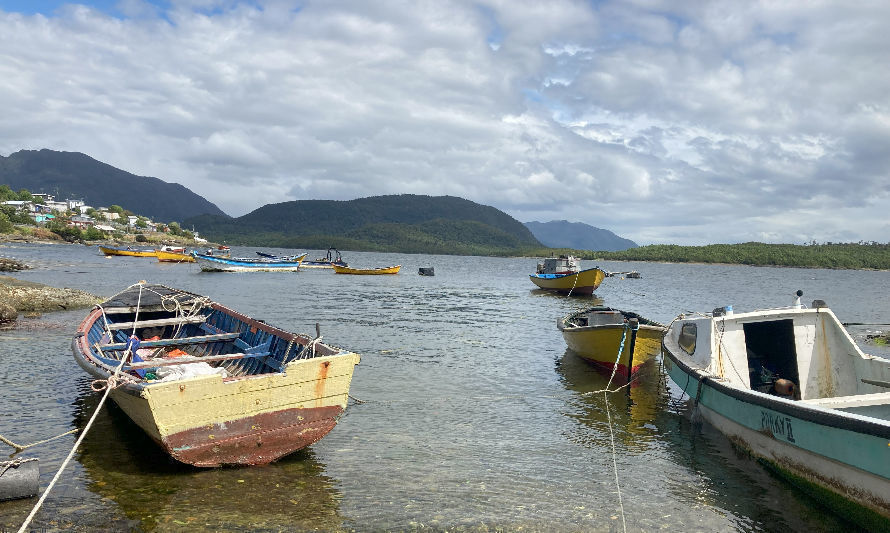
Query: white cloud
[652,119]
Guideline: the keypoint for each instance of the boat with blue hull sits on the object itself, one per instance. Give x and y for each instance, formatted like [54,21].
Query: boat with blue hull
[212,263]
[791,387]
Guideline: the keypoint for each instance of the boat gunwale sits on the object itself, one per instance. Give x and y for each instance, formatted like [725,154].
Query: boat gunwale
[644,323]
[250,262]
[808,412]
[561,276]
[100,370]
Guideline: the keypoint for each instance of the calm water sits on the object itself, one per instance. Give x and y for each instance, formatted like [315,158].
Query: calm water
[475,417]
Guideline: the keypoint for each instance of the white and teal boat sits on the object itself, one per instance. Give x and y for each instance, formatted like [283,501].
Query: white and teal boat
[792,388]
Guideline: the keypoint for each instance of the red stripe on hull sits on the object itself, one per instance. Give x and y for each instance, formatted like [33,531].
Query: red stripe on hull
[255,440]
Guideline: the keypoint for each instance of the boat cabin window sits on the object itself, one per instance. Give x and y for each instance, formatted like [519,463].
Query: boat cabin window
[772,355]
[688,334]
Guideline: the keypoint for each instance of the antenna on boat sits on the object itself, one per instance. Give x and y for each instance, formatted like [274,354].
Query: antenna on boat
[799,293]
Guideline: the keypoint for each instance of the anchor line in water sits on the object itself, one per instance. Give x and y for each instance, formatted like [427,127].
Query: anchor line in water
[22,447]
[86,429]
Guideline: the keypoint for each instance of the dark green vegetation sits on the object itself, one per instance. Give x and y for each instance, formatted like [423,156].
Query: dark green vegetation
[77,176]
[829,255]
[396,223]
[577,235]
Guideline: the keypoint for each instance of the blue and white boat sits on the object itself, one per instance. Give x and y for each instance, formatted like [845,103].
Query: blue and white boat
[791,387]
[212,263]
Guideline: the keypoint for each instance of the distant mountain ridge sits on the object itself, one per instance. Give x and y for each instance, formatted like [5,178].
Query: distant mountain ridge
[78,176]
[405,223]
[578,236]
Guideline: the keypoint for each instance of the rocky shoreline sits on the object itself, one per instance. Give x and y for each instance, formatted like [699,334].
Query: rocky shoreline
[18,296]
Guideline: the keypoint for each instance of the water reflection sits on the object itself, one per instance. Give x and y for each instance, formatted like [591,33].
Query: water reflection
[631,411]
[725,478]
[591,299]
[158,494]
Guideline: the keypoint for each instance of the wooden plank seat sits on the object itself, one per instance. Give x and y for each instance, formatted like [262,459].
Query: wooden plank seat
[182,341]
[197,319]
[187,359]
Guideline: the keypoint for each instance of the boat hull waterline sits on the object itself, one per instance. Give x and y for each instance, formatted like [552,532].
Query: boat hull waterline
[828,433]
[367,271]
[210,263]
[583,282]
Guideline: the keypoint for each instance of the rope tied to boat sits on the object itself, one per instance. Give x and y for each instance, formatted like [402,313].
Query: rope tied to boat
[113,382]
[627,327]
[21,447]
[86,428]
[15,463]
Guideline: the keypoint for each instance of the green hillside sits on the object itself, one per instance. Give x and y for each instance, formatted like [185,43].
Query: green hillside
[861,255]
[78,176]
[404,223]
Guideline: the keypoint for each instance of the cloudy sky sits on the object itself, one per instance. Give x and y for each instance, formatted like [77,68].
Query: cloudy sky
[665,122]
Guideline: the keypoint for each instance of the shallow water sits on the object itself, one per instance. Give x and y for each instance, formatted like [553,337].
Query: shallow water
[475,416]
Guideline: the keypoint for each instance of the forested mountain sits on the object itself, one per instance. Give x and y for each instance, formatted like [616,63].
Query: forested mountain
[77,176]
[405,223]
[578,236]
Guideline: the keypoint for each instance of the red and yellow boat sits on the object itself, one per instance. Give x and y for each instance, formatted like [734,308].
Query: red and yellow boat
[608,337]
[563,274]
[383,270]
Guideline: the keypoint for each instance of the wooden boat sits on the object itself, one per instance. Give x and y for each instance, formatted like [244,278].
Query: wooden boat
[212,263]
[563,274]
[791,387]
[599,333]
[174,257]
[210,385]
[109,250]
[174,249]
[330,259]
[383,270]
[264,255]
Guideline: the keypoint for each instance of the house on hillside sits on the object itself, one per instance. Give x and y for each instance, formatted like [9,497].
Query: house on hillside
[22,205]
[104,228]
[81,221]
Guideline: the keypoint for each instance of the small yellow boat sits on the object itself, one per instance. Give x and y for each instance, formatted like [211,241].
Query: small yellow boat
[174,257]
[108,250]
[384,270]
[597,334]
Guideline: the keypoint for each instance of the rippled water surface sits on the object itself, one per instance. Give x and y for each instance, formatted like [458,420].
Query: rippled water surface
[474,415]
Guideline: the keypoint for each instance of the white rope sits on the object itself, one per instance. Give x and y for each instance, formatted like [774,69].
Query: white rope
[85,429]
[574,283]
[21,447]
[615,463]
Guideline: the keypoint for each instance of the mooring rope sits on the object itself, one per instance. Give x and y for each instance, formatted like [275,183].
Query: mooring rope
[574,283]
[21,447]
[15,463]
[86,429]
[615,463]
